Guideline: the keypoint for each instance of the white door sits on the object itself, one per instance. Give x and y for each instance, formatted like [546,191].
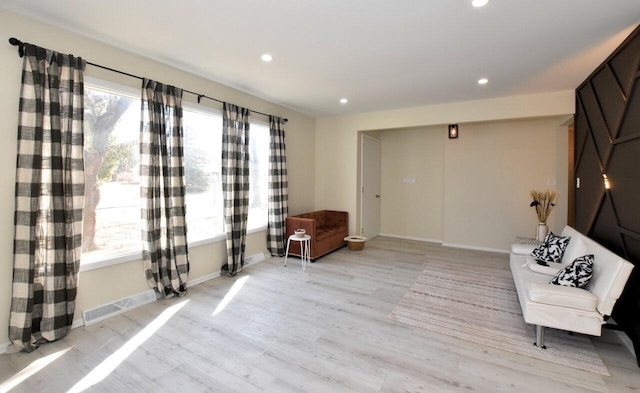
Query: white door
[370,187]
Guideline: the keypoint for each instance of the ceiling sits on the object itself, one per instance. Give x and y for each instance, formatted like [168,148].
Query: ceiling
[377,53]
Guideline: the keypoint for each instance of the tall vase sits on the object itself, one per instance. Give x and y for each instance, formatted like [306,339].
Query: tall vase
[541,231]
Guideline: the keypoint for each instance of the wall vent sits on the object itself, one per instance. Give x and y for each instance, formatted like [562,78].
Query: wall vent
[109,310]
[253,259]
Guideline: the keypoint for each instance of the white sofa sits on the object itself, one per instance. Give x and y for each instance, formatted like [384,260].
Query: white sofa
[581,310]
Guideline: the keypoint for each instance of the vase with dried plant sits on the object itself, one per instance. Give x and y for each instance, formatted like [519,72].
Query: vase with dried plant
[543,201]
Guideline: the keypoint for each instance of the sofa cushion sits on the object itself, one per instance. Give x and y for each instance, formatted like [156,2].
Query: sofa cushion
[556,295]
[325,232]
[551,249]
[538,268]
[576,248]
[577,274]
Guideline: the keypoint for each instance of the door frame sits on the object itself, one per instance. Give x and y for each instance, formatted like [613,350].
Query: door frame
[363,136]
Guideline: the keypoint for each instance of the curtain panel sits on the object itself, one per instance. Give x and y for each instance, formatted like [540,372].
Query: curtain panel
[49,198]
[235,183]
[278,187]
[162,187]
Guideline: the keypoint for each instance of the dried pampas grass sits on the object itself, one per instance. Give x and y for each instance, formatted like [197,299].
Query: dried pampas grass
[543,202]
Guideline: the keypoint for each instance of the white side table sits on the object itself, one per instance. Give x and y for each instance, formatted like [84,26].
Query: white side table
[531,241]
[305,249]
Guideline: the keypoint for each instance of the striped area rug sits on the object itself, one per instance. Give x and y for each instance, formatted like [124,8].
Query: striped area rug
[480,304]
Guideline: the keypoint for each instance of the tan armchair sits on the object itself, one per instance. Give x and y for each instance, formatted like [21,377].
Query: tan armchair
[327,229]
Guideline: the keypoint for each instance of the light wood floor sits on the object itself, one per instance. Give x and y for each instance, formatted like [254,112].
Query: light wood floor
[325,330]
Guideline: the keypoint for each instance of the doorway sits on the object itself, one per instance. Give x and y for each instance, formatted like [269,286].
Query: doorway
[370,187]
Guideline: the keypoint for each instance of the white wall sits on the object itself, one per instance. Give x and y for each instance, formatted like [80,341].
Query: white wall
[412,210]
[99,286]
[337,177]
[489,171]
[472,191]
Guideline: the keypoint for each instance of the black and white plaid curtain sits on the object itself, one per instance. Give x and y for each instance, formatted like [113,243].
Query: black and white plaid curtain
[235,183]
[278,187]
[162,185]
[49,198]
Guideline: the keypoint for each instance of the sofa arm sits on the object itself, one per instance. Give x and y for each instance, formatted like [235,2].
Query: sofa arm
[561,296]
[522,249]
[308,224]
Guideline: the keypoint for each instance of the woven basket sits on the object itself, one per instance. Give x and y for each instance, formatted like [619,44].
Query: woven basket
[355,243]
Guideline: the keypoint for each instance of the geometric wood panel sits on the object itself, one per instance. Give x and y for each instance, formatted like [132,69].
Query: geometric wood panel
[607,142]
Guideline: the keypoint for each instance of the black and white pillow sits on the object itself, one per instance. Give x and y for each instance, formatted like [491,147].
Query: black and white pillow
[551,249]
[577,274]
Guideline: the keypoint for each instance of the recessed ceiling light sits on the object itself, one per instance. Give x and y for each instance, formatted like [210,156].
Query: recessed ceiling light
[483,81]
[479,3]
[266,57]
[343,100]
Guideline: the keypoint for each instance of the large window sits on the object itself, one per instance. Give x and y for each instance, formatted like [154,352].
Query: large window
[112,186]
[259,175]
[112,196]
[203,163]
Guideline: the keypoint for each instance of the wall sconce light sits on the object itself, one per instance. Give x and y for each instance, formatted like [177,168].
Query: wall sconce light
[607,183]
[453,131]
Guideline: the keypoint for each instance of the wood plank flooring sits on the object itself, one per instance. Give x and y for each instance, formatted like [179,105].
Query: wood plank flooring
[324,330]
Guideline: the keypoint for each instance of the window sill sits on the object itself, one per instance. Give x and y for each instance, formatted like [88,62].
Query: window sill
[137,255]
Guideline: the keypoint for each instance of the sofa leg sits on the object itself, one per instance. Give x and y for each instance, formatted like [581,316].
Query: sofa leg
[540,337]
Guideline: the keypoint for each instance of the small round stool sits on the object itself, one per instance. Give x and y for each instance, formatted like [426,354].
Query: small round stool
[305,249]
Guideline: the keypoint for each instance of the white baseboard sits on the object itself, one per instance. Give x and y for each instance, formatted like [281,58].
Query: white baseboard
[453,245]
[248,261]
[475,248]
[79,322]
[4,346]
[420,239]
[202,279]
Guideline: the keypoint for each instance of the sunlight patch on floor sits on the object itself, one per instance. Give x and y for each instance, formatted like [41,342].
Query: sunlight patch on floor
[107,366]
[237,286]
[30,370]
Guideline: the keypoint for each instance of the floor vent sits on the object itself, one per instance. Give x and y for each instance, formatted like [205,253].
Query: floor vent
[108,310]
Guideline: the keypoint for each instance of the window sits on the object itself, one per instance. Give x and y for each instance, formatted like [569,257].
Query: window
[203,163]
[259,141]
[203,171]
[111,227]
[111,223]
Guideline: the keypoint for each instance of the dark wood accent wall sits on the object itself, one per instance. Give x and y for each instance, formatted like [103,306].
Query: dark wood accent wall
[607,142]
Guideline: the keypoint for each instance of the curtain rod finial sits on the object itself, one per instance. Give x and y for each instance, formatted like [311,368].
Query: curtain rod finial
[16,42]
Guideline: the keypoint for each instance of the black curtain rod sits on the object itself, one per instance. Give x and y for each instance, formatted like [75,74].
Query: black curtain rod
[16,42]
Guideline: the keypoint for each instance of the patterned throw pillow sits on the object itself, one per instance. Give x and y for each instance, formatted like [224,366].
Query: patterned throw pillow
[551,249]
[577,274]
